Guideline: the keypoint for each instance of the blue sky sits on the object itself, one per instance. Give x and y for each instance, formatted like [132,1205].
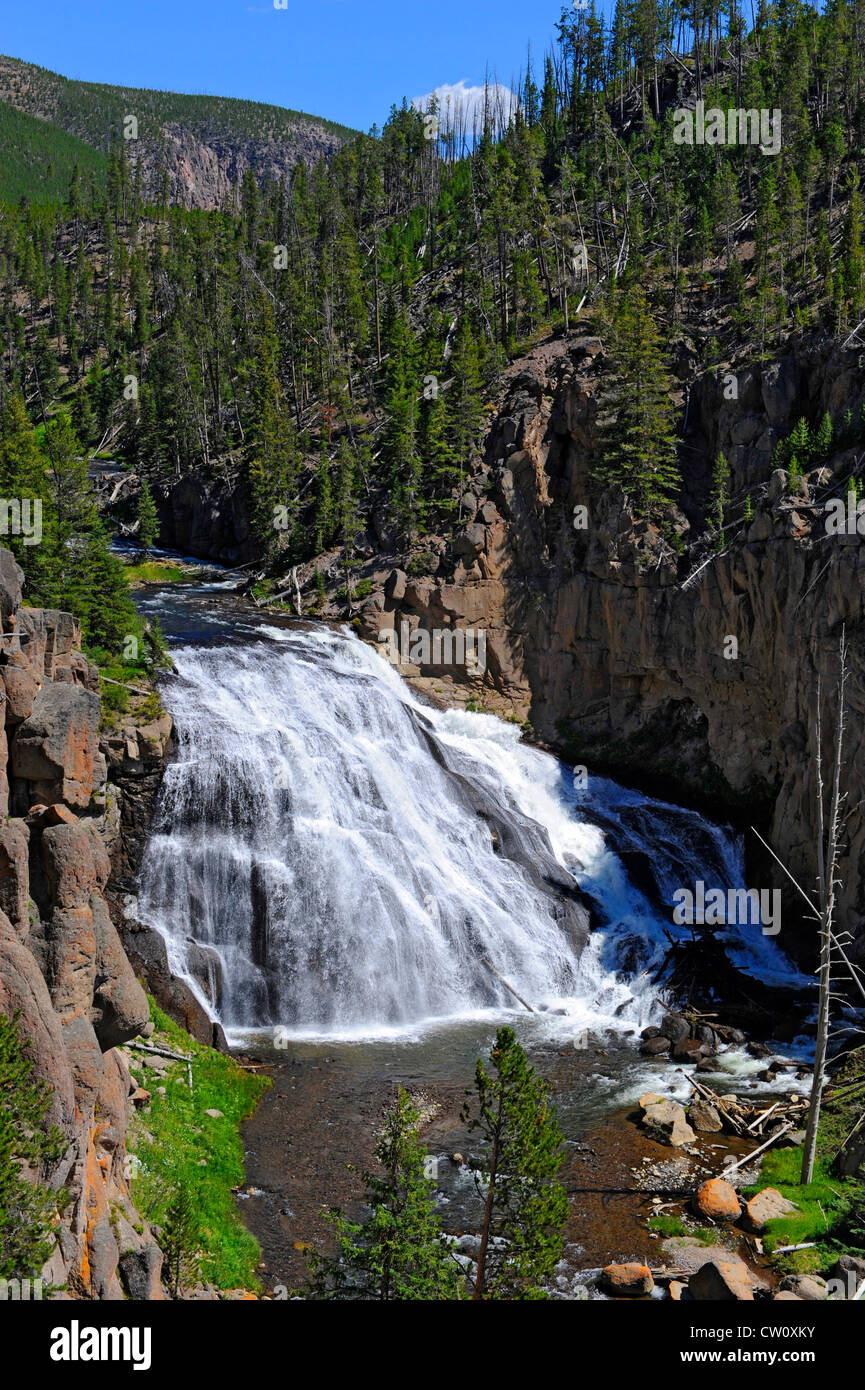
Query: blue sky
[344,59]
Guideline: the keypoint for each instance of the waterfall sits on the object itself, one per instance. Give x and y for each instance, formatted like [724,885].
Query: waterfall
[332,855]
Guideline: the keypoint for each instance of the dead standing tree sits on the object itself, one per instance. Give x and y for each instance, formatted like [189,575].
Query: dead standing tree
[828,824]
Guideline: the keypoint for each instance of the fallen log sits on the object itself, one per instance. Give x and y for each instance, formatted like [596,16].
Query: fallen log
[779,1134]
[764,1115]
[495,972]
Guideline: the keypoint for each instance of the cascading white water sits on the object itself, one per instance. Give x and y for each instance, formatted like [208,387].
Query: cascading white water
[328,853]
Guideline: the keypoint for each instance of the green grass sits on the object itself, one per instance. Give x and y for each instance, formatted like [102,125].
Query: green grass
[824,1206]
[706,1235]
[153,572]
[831,1208]
[669,1226]
[183,1135]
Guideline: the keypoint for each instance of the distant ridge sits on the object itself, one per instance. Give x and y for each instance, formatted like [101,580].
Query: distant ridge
[203,143]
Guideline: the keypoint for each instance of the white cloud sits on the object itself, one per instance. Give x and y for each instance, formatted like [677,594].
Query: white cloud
[461,104]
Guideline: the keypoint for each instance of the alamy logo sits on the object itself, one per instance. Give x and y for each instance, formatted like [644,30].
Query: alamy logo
[76,1343]
[845,518]
[20,1290]
[443,646]
[21,516]
[734,127]
[715,907]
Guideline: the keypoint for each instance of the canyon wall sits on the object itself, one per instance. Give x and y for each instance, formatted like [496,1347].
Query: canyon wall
[62,964]
[618,661]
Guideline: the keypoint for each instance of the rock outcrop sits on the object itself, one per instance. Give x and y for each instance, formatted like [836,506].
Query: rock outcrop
[62,964]
[600,630]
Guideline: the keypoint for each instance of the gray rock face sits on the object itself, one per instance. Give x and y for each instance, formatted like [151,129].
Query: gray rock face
[203,153]
[592,632]
[11,579]
[145,948]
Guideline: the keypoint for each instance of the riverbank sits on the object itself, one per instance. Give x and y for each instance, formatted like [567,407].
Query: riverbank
[322,1110]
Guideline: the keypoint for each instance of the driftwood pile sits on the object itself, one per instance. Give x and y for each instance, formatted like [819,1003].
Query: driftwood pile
[767,1121]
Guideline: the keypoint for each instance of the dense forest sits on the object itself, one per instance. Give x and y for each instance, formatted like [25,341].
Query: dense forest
[328,344]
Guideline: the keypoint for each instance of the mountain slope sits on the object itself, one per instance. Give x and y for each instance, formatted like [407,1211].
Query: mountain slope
[37,158]
[202,143]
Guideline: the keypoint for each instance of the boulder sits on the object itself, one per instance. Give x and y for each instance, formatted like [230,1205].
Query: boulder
[687,1254]
[767,1205]
[688,1050]
[21,688]
[468,544]
[722,1279]
[846,1265]
[40,817]
[75,862]
[141,1273]
[704,1118]
[675,1027]
[717,1200]
[655,1047]
[628,1280]
[677,1289]
[394,587]
[666,1121]
[806,1286]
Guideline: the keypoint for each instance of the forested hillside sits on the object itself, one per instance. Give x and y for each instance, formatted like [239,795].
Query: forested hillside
[325,347]
[184,149]
[37,159]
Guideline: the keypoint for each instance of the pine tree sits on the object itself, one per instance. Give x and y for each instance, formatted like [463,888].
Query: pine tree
[637,438]
[525,1207]
[180,1240]
[464,403]
[26,1207]
[397,1253]
[148,518]
[400,444]
[272,465]
[853,256]
[720,497]
[323,504]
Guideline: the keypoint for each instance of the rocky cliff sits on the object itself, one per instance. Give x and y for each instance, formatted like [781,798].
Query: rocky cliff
[616,640]
[62,965]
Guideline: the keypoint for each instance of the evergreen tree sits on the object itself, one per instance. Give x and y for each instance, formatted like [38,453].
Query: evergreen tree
[180,1240]
[525,1207]
[148,518]
[397,1252]
[26,1207]
[720,497]
[464,398]
[637,437]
